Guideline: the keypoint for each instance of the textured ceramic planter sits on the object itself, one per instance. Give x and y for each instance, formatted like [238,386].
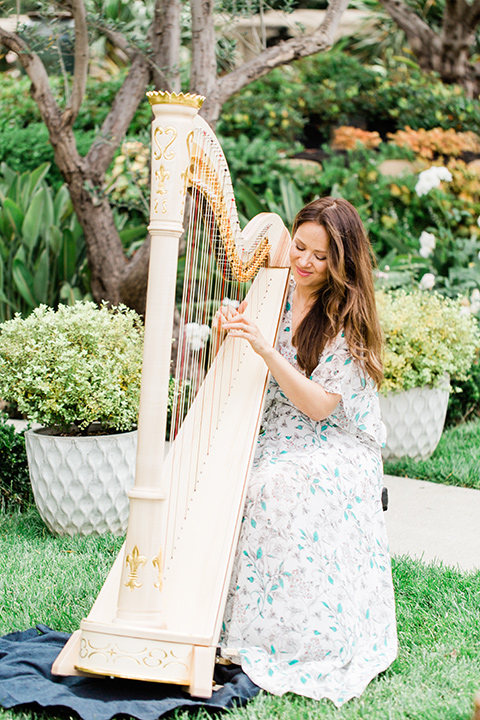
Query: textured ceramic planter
[414,421]
[80,484]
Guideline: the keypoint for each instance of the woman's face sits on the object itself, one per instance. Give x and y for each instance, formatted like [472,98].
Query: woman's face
[308,256]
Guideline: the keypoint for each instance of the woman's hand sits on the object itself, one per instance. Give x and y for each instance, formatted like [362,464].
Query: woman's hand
[240,326]
[225,313]
[233,321]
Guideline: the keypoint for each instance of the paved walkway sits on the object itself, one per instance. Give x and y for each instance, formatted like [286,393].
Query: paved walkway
[434,522]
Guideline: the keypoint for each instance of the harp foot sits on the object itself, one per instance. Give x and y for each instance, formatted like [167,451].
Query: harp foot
[64,665]
[201,671]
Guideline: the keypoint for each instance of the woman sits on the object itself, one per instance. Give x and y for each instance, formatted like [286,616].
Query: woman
[311,607]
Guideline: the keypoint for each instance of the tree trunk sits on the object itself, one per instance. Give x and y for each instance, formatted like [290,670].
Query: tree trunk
[449,52]
[203,74]
[166,39]
[105,253]
[133,279]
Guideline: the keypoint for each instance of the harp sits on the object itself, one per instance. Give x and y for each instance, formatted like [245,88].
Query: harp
[158,616]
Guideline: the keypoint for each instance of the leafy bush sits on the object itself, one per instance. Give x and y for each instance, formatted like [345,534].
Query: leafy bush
[25,148]
[427,337]
[464,401]
[338,89]
[270,108]
[19,109]
[260,162]
[74,367]
[15,488]
[42,253]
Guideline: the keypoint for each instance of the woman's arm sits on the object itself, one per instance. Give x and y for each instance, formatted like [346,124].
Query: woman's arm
[308,396]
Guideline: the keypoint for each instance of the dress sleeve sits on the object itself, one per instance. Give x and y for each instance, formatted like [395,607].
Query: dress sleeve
[336,368]
[359,407]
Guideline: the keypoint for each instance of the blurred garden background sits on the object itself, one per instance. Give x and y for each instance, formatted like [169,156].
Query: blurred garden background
[388,117]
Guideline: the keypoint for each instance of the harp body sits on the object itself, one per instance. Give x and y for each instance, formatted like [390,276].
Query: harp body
[158,616]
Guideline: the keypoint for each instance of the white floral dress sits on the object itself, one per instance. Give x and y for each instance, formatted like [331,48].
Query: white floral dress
[311,607]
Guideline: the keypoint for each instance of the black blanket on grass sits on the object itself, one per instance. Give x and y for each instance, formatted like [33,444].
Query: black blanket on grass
[25,680]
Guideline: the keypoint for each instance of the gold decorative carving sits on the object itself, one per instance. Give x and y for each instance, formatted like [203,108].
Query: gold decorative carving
[161,175]
[163,151]
[163,98]
[211,189]
[187,174]
[158,563]
[158,657]
[135,560]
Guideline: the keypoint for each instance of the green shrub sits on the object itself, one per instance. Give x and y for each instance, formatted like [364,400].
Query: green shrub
[15,488]
[42,251]
[339,90]
[25,148]
[330,89]
[427,337]
[270,108]
[74,367]
[19,109]
[260,162]
[464,401]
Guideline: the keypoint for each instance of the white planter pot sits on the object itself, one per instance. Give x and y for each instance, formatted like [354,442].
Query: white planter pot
[414,420]
[80,484]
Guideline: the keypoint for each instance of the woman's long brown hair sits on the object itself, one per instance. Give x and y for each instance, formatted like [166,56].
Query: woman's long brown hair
[346,301]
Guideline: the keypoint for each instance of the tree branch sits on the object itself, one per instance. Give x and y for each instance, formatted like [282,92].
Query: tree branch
[77,8]
[472,16]
[35,69]
[116,38]
[203,73]
[416,29]
[120,115]
[166,40]
[283,53]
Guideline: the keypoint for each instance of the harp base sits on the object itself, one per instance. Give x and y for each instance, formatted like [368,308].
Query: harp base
[99,652]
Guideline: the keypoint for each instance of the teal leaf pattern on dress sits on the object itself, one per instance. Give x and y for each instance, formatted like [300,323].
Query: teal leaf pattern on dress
[313,526]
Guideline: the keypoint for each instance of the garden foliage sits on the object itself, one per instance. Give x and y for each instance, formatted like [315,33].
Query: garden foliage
[319,93]
[74,367]
[15,488]
[352,118]
[428,339]
[42,254]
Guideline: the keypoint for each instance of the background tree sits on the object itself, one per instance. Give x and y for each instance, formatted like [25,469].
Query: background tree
[152,63]
[442,37]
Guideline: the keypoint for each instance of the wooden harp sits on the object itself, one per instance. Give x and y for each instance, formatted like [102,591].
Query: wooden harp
[159,614]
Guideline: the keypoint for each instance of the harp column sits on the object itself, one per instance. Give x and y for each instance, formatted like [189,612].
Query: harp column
[139,598]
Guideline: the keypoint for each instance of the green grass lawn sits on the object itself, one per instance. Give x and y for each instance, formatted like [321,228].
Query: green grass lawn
[456,461]
[56,580]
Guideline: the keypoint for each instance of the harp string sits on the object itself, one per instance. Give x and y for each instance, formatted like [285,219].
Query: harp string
[213,273]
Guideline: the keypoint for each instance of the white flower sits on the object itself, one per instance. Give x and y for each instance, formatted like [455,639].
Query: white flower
[233,303]
[428,281]
[478,221]
[197,335]
[427,243]
[431,178]
[475,301]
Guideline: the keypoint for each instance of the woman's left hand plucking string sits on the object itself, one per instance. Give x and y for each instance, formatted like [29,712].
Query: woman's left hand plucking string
[242,327]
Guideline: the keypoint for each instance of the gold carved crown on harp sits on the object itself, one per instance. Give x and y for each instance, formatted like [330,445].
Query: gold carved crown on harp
[159,614]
